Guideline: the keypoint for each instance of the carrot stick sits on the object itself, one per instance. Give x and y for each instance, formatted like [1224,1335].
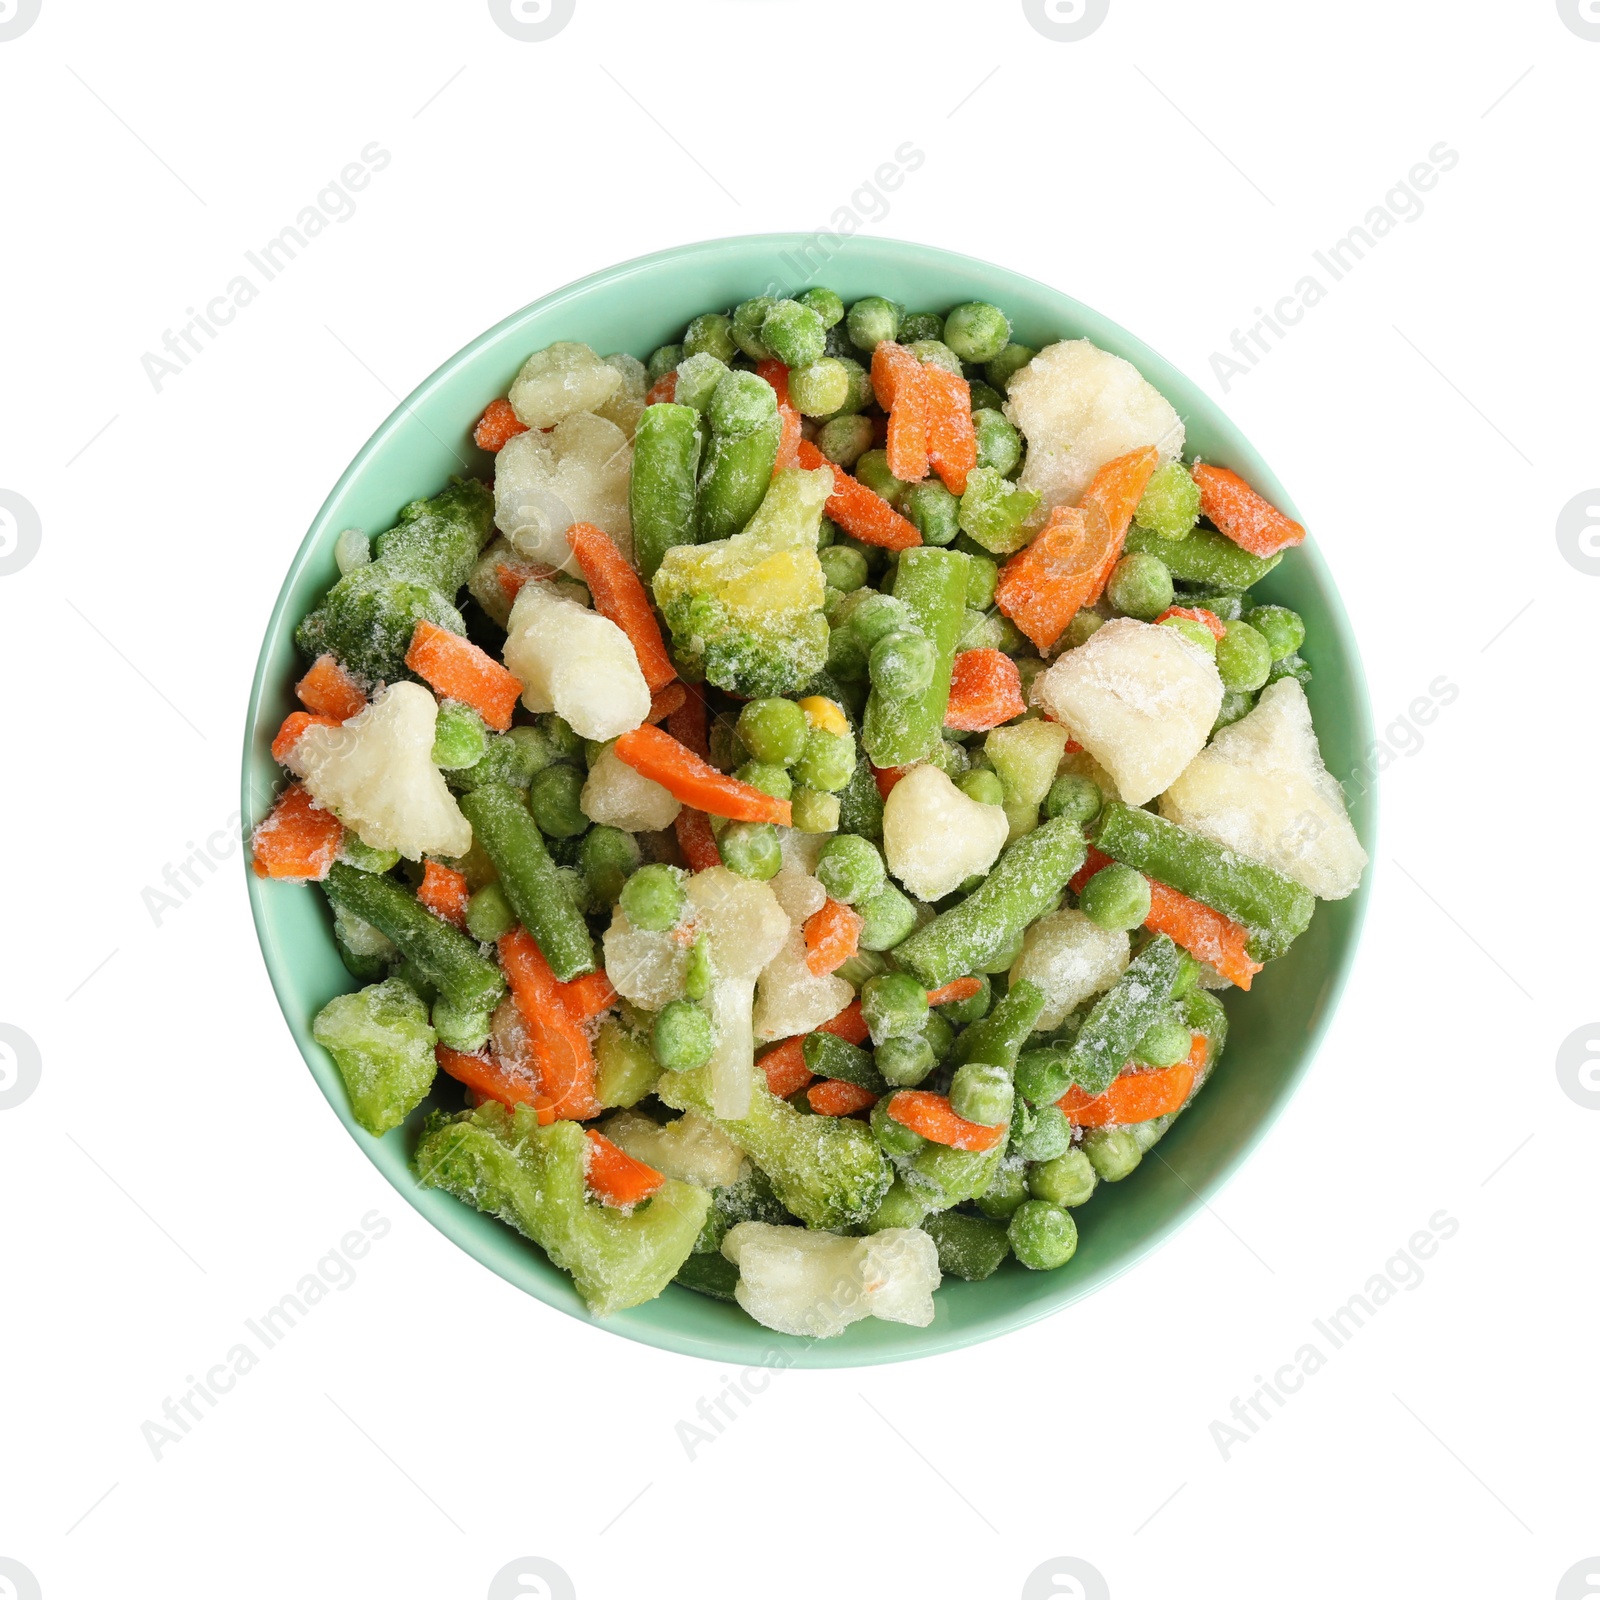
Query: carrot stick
[1114,493]
[952,440]
[588,996]
[696,840]
[785,1067]
[833,935]
[775,373]
[665,701]
[558,1043]
[1137,1096]
[1205,933]
[935,1119]
[297,839]
[898,381]
[458,670]
[835,1098]
[330,691]
[861,513]
[444,892]
[616,1177]
[663,389]
[620,597]
[956,989]
[511,575]
[886,778]
[985,690]
[490,1079]
[1196,614]
[658,756]
[1239,512]
[850,1025]
[497,426]
[292,726]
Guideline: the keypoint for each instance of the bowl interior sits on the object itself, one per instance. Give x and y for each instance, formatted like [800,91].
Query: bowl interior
[635,307]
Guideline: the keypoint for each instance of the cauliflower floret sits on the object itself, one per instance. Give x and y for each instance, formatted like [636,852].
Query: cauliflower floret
[626,406]
[1069,958]
[575,662]
[376,774]
[558,381]
[814,1284]
[1079,407]
[690,1148]
[1261,789]
[619,797]
[791,998]
[644,967]
[934,836]
[799,893]
[544,482]
[1140,699]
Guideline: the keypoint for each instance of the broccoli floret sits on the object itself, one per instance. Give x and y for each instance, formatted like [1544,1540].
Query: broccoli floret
[943,1176]
[382,1043]
[367,618]
[436,542]
[751,1199]
[504,1163]
[827,1170]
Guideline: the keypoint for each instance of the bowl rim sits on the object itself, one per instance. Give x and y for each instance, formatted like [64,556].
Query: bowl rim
[441,1210]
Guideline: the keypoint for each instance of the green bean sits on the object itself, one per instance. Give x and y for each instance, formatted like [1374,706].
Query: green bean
[887,917]
[1120,1018]
[831,1057]
[1203,557]
[970,1248]
[860,804]
[533,884]
[993,511]
[1001,1035]
[666,457]
[744,445]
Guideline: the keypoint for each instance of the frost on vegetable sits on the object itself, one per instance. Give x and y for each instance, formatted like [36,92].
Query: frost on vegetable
[575,662]
[934,836]
[619,797]
[483,582]
[626,406]
[688,1148]
[557,382]
[644,967]
[1140,699]
[376,774]
[746,611]
[1079,407]
[1260,788]
[1071,960]
[544,482]
[792,999]
[815,1285]
[382,1043]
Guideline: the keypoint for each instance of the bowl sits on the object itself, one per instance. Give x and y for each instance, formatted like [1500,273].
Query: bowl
[635,306]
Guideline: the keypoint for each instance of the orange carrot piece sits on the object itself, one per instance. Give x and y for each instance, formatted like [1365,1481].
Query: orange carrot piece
[899,382]
[497,426]
[665,388]
[835,1098]
[1046,583]
[1205,933]
[985,690]
[444,892]
[558,1043]
[833,935]
[861,513]
[775,373]
[458,670]
[1196,614]
[330,691]
[956,989]
[588,996]
[292,726]
[1254,524]
[511,575]
[785,1067]
[952,440]
[696,783]
[1114,493]
[665,701]
[1137,1096]
[690,725]
[297,839]
[935,1119]
[617,1178]
[490,1079]
[850,1025]
[696,840]
[620,597]
[886,778]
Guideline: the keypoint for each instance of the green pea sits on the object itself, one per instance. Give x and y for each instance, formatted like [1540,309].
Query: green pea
[1197,633]
[935,353]
[845,440]
[563,743]
[365,857]
[827,532]
[981,1092]
[682,1038]
[553,800]
[812,811]
[984,787]
[1235,704]
[768,777]
[903,663]
[901,1207]
[1067,1180]
[872,469]
[1116,897]
[860,394]
[964,1012]
[1049,1135]
[1294,666]
[1042,1236]
[1140,586]
[938,1035]
[999,444]
[1282,628]
[752,849]
[608,856]
[748,318]
[489,914]
[459,737]
[710,335]
[984,398]
[904,1063]
[977,331]
[887,919]
[820,388]
[1170,505]
[828,762]
[894,1006]
[932,510]
[876,616]
[653,898]
[872,320]
[850,868]
[1163,1045]
[1009,1190]
[1000,368]
[982,576]
[827,305]
[1113,1152]
[1077,799]
[843,567]
[773,731]
[894,1138]
[794,333]
[1083,627]
[699,974]
[1244,658]
[663,359]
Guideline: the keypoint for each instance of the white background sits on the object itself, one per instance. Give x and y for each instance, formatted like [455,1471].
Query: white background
[177,1170]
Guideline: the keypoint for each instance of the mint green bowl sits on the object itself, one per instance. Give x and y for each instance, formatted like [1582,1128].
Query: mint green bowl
[635,307]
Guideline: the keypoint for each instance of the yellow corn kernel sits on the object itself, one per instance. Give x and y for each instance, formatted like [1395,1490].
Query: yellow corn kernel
[821,712]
